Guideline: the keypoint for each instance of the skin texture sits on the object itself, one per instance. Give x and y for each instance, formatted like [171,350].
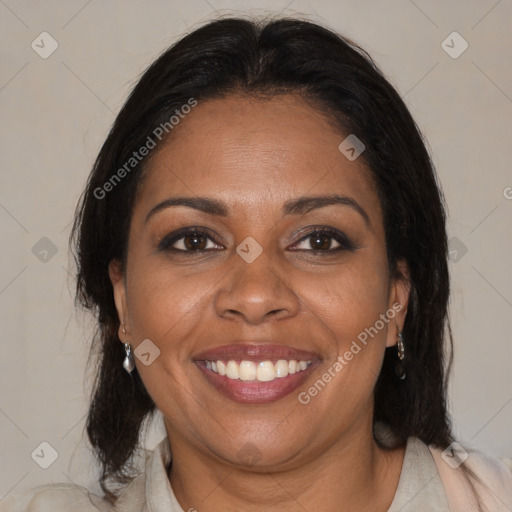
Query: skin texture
[254,155]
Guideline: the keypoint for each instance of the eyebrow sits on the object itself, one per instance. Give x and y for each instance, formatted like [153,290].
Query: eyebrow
[298,206]
[304,205]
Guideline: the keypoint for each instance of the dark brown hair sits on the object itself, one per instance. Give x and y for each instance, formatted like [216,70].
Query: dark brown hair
[238,56]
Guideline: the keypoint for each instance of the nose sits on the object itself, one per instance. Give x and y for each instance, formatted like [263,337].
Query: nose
[255,293]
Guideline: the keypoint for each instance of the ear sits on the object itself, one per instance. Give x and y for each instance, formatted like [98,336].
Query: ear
[117,279]
[398,302]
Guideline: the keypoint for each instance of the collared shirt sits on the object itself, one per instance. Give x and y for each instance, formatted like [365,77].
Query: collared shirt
[420,487]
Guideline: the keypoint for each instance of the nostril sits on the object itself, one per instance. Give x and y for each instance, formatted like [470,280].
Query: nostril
[275,312]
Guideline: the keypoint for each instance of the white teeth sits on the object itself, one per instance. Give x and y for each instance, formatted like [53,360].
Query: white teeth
[247,370]
[282,368]
[266,371]
[221,368]
[232,370]
[262,371]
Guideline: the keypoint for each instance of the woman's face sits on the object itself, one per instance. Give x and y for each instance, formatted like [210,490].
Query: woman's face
[257,288]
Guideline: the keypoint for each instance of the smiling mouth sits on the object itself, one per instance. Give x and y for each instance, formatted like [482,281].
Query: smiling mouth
[256,374]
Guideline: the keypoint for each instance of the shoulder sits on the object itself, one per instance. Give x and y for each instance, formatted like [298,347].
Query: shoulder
[464,469]
[54,498]
[491,470]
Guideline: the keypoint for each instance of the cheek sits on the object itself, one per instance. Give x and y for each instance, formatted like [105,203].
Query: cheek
[164,302]
[349,313]
[167,308]
[350,299]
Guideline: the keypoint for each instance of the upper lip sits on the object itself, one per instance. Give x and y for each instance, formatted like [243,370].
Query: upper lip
[250,351]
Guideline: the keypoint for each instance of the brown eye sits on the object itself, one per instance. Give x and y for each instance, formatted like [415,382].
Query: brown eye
[322,240]
[188,240]
[195,242]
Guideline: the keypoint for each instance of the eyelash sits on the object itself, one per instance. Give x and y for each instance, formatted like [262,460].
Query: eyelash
[344,243]
[167,242]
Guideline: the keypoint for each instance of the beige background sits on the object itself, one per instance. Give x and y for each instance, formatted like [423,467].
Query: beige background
[56,112]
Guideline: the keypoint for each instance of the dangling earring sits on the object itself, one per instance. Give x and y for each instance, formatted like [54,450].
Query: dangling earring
[399,365]
[128,363]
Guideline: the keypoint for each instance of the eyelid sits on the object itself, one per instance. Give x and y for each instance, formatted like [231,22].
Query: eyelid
[339,236]
[168,240]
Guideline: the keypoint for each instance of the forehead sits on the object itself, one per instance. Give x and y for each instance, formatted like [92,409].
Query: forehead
[253,151]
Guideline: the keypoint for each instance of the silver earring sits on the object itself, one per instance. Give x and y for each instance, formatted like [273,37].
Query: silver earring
[128,363]
[401,347]
[399,365]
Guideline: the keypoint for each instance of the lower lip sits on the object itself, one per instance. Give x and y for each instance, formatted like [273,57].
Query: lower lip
[256,392]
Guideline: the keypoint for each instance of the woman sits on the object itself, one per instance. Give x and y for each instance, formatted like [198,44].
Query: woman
[263,241]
